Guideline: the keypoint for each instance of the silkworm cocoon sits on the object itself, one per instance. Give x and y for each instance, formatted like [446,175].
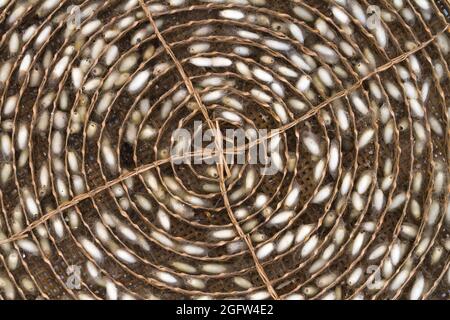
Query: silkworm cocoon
[433,213]
[346,183]
[232,14]
[91,249]
[393,91]
[355,277]
[220,62]
[111,291]
[242,51]
[233,103]
[77,77]
[312,144]
[214,268]
[5,68]
[340,15]
[179,96]
[162,239]
[408,230]
[378,200]
[58,227]
[292,197]
[297,32]
[60,67]
[387,181]
[358,201]
[128,63]
[281,112]
[109,156]
[167,277]
[60,120]
[323,194]
[359,104]
[416,108]
[287,72]
[365,138]
[300,62]
[419,131]
[213,96]
[198,48]
[125,22]
[277,45]
[415,209]
[303,84]
[161,68]
[201,62]
[163,219]
[377,253]
[399,280]
[325,77]
[417,288]
[439,182]
[325,280]
[364,182]
[22,137]
[319,170]
[277,88]
[381,35]
[334,158]
[261,200]
[231,116]
[224,234]
[28,246]
[125,256]
[10,105]
[248,34]
[357,244]
[61,188]
[324,29]
[309,246]
[265,251]
[212,82]
[57,143]
[18,11]
[262,75]
[285,242]
[90,27]
[415,65]
[259,295]
[397,201]
[111,55]
[436,126]
[281,218]
[261,95]
[78,184]
[388,132]
[30,203]
[143,203]
[327,53]
[5,173]
[102,232]
[43,36]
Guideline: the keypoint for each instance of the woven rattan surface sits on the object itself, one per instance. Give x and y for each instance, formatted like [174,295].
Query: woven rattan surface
[354,95]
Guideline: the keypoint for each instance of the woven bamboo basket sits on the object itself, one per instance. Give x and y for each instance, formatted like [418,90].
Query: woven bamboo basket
[354,94]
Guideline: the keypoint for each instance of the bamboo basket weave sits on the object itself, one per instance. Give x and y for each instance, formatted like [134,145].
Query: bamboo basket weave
[94,207]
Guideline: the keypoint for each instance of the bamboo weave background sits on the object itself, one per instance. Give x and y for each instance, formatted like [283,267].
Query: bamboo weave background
[141,258]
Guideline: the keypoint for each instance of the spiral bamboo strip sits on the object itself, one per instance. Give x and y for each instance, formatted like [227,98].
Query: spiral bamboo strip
[354,96]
